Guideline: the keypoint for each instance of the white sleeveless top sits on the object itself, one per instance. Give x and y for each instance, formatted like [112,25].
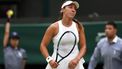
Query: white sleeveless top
[64,63]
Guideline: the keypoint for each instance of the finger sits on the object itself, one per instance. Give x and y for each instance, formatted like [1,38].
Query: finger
[55,65]
[74,62]
[54,68]
[70,65]
[71,68]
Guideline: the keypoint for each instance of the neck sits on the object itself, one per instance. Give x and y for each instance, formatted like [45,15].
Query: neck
[111,38]
[66,21]
[14,47]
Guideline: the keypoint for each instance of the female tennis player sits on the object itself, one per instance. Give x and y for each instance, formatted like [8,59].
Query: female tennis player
[66,34]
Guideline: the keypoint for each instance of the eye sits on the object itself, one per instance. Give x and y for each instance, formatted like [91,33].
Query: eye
[70,6]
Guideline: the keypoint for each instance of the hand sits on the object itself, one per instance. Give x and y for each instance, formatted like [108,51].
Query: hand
[73,63]
[53,64]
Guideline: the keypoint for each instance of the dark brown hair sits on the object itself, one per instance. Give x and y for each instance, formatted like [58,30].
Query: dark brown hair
[112,23]
[80,26]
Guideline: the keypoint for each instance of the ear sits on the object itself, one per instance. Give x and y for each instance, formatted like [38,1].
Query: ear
[62,10]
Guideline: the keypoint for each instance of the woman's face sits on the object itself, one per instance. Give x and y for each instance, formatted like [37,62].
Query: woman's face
[69,11]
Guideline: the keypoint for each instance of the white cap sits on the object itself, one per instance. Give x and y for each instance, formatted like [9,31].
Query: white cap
[70,2]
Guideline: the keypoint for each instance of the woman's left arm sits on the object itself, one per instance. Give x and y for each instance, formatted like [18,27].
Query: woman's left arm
[82,42]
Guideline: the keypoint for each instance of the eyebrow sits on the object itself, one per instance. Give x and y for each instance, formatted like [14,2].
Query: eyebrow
[71,5]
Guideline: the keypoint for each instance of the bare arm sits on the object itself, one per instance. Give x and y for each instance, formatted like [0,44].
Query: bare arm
[6,34]
[82,39]
[23,64]
[49,34]
[82,42]
[46,40]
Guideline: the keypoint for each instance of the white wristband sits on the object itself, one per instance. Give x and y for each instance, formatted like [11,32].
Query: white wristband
[48,59]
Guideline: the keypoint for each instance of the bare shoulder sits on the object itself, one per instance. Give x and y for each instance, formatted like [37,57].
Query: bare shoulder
[54,28]
[54,25]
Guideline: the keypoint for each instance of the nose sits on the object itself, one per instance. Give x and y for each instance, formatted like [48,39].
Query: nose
[73,10]
[107,30]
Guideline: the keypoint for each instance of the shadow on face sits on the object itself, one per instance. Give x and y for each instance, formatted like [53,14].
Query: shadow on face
[14,42]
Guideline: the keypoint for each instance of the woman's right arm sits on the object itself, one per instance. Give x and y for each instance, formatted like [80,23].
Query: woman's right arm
[49,34]
[6,34]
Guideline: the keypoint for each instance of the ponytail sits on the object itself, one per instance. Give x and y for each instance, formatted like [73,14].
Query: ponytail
[80,26]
